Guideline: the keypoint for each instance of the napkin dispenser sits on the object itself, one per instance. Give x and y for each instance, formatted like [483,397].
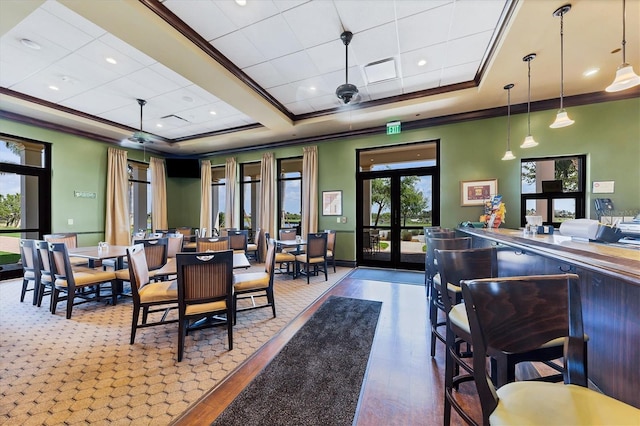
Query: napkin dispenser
[589,229]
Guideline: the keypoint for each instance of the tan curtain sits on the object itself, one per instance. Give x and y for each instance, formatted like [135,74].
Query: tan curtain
[230,179]
[158,194]
[117,228]
[205,196]
[309,190]
[268,202]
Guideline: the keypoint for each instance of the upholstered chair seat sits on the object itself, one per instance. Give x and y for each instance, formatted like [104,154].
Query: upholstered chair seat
[250,280]
[204,308]
[252,285]
[162,291]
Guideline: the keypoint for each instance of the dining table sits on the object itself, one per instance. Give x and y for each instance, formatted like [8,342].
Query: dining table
[94,253]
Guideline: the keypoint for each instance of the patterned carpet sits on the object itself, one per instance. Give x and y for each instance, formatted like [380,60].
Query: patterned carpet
[55,371]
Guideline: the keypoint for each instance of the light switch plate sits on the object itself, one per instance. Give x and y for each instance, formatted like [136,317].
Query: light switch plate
[69,221]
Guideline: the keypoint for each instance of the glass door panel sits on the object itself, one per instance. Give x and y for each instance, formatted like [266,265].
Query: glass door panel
[415,214]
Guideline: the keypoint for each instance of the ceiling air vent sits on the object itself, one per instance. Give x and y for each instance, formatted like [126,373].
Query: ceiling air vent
[382,70]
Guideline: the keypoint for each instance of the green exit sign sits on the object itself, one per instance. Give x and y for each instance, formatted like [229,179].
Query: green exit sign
[394,128]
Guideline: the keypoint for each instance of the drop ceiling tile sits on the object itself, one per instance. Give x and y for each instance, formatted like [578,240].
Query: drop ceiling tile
[310,30]
[265,74]
[285,94]
[97,52]
[170,74]
[146,77]
[129,114]
[202,93]
[204,16]
[359,15]
[406,8]
[252,12]
[48,26]
[126,49]
[434,55]
[97,101]
[17,64]
[385,89]
[324,102]
[200,114]
[336,78]
[300,107]
[425,29]
[128,88]
[329,57]
[424,81]
[272,37]
[375,44]
[67,15]
[296,66]
[238,49]
[466,49]
[284,5]
[459,73]
[470,17]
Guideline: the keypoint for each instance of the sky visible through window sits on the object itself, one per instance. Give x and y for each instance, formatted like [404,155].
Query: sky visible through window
[9,182]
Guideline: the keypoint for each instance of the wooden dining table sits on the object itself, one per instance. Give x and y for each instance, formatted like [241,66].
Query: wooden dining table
[93,253]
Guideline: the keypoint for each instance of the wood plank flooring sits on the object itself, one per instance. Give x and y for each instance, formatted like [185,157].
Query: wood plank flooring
[403,384]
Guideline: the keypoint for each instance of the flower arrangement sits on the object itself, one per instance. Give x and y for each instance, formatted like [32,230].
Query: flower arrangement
[494,212]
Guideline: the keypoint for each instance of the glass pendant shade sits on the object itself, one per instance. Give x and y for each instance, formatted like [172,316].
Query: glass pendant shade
[562,120]
[625,79]
[529,142]
[509,156]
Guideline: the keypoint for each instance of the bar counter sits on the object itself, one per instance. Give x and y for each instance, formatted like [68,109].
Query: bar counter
[610,293]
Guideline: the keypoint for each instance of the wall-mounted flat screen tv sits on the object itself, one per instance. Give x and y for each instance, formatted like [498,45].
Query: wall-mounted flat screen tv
[183,168]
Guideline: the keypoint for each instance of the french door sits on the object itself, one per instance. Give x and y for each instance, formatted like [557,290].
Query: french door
[395,207]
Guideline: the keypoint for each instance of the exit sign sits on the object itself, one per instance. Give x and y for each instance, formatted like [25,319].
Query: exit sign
[393,128]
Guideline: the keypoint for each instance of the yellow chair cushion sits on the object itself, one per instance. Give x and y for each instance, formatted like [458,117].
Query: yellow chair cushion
[458,317]
[329,253]
[158,292]
[285,257]
[451,287]
[250,280]
[203,308]
[87,277]
[538,403]
[252,247]
[189,246]
[303,258]
[29,275]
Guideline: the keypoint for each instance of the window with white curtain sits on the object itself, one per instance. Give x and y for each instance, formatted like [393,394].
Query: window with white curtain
[290,193]
[218,197]
[139,196]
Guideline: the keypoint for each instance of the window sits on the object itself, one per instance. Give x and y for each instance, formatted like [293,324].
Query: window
[553,188]
[290,193]
[25,197]
[218,196]
[139,196]
[250,196]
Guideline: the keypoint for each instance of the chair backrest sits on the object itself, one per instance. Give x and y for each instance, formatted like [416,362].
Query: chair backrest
[238,240]
[270,260]
[287,234]
[163,231]
[256,238]
[458,265]
[212,244]
[28,255]
[442,233]
[138,269]
[519,314]
[331,239]
[60,265]
[184,230]
[155,251]
[204,278]
[44,262]
[174,244]
[224,232]
[70,239]
[317,245]
[443,244]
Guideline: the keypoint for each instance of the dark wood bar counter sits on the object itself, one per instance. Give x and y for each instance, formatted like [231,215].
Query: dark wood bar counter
[610,292]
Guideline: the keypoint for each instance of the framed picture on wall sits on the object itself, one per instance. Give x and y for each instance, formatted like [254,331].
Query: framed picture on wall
[331,203]
[476,192]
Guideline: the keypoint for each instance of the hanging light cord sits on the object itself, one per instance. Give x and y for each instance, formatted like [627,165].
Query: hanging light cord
[346,61]
[561,60]
[529,98]
[624,41]
[509,119]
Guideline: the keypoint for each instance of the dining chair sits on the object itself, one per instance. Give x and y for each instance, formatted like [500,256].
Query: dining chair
[45,287]
[256,284]
[151,297]
[315,256]
[31,269]
[71,240]
[254,247]
[205,291]
[155,251]
[454,267]
[331,244]
[238,240]
[78,283]
[517,315]
[212,244]
[224,232]
[174,246]
[189,241]
[282,258]
[436,303]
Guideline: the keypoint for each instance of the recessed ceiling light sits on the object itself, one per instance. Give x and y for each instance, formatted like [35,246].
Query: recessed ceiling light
[187,98]
[30,44]
[590,72]
[111,60]
[159,125]
[313,89]
[422,62]
[212,112]
[52,87]
[241,2]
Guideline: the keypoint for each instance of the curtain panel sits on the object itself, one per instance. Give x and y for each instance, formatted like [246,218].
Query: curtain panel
[205,197]
[309,190]
[266,213]
[158,194]
[117,228]
[230,178]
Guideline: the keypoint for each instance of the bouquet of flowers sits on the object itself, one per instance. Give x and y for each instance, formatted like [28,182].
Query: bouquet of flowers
[494,212]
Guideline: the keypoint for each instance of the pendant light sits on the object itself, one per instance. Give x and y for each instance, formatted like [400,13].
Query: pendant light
[529,142]
[562,119]
[346,92]
[625,77]
[509,155]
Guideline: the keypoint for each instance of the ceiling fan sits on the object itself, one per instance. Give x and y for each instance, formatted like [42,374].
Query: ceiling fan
[347,92]
[140,136]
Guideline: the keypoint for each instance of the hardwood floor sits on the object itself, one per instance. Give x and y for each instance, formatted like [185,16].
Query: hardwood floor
[403,384]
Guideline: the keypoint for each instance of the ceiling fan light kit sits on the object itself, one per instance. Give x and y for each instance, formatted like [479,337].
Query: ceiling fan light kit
[140,136]
[626,78]
[562,118]
[346,92]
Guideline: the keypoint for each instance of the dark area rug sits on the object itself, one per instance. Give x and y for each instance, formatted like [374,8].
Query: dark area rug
[316,378]
[388,275]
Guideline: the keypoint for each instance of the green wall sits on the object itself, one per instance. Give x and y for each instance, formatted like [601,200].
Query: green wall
[609,133]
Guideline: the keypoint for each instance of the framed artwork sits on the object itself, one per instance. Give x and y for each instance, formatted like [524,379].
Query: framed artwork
[331,203]
[476,192]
